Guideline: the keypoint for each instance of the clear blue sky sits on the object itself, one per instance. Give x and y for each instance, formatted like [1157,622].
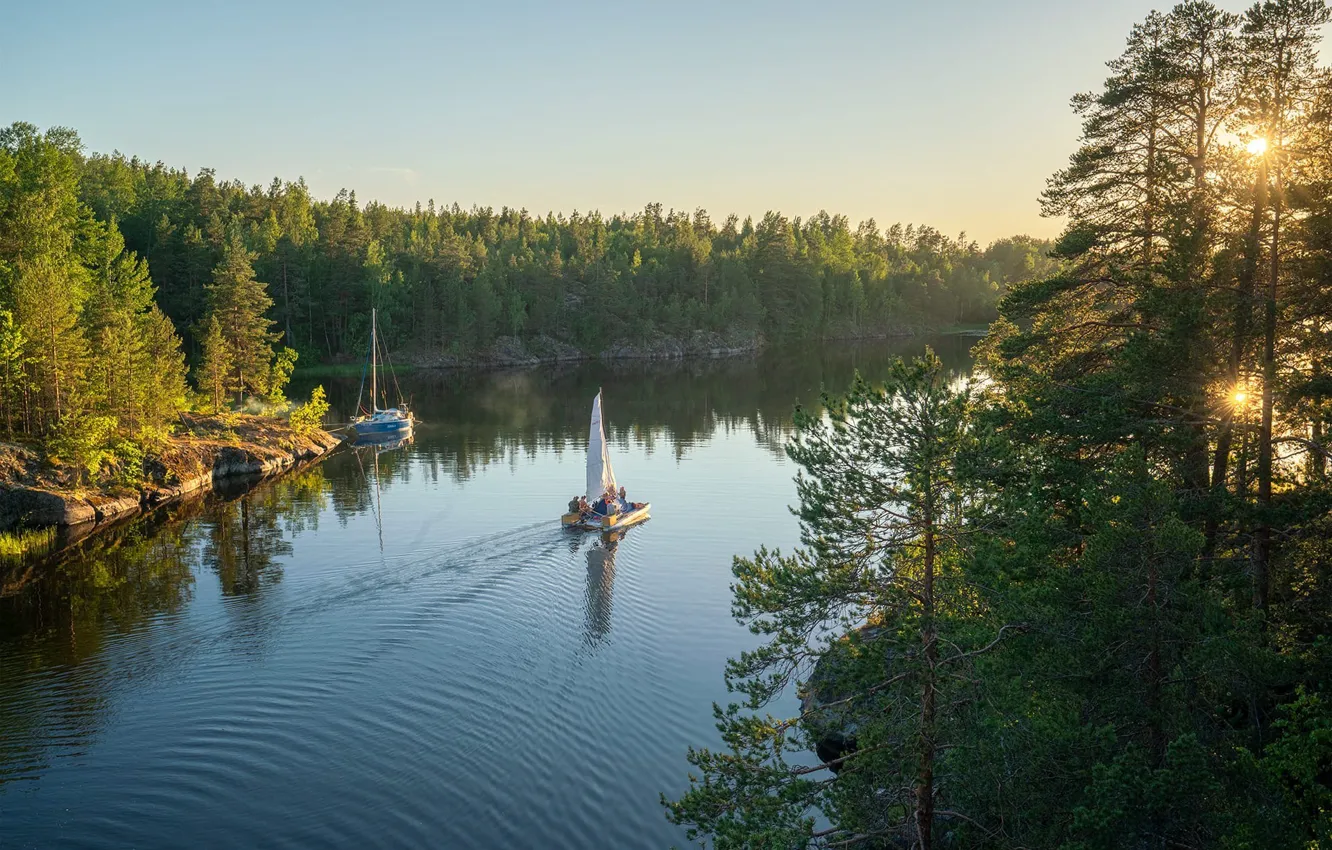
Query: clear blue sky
[944,112]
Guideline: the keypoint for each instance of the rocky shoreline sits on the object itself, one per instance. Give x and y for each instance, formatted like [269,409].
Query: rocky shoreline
[512,351]
[206,453]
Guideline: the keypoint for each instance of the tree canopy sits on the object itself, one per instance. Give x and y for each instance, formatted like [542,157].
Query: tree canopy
[1122,642]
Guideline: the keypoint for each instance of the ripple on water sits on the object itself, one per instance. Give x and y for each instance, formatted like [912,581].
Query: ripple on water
[519,688]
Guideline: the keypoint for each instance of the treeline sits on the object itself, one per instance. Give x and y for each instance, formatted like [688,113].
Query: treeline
[447,279]
[1084,603]
[89,360]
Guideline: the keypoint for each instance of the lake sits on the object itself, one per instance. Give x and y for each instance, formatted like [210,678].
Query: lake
[405,649]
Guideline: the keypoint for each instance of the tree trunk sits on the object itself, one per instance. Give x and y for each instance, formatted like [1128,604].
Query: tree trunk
[928,637]
[1263,541]
[286,302]
[1238,344]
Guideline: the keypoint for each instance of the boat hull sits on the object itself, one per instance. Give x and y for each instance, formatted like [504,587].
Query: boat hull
[383,429]
[606,523]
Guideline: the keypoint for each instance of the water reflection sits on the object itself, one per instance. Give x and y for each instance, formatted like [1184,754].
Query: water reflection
[367,451]
[600,589]
[479,419]
[204,653]
[59,614]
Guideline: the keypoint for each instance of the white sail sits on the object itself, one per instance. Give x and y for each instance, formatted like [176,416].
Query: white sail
[599,472]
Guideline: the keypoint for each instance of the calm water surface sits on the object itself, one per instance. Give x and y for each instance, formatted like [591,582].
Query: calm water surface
[406,650]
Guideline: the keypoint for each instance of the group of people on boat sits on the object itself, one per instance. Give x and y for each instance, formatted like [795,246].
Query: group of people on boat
[609,504]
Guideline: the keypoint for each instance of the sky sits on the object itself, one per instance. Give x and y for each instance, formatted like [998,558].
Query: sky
[938,112]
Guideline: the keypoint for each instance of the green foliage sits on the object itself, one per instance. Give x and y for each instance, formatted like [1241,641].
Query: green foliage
[453,279]
[309,417]
[1135,587]
[239,305]
[127,458]
[82,442]
[1298,761]
[212,376]
[14,365]
[279,375]
[881,514]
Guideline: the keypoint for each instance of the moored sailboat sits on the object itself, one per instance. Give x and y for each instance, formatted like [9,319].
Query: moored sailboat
[603,507]
[376,423]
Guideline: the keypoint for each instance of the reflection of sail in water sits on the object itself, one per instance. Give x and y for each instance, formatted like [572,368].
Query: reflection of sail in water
[600,585]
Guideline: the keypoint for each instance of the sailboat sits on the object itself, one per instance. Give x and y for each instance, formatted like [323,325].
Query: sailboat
[394,423]
[604,514]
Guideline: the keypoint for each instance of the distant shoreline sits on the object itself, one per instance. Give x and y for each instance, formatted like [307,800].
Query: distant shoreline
[513,352]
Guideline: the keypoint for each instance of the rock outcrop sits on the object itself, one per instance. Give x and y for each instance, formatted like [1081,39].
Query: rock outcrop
[511,351]
[194,462]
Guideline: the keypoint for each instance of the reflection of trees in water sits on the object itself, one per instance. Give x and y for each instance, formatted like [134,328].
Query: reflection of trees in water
[476,419]
[600,589]
[113,582]
[244,537]
[61,617]
[117,579]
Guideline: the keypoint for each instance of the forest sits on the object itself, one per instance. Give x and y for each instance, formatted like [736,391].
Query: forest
[119,278]
[455,280]
[1080,601]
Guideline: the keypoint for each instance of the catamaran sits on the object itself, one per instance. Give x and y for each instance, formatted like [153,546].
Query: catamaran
[376,423]
[602,508]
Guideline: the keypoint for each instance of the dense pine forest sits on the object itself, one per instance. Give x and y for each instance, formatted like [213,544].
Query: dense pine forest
[118,278]
[455,280]
[1081,602]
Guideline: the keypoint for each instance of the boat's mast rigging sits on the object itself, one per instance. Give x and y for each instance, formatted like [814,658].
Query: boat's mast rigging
[374,363]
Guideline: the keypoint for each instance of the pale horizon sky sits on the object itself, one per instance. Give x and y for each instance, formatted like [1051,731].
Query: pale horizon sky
[949,113]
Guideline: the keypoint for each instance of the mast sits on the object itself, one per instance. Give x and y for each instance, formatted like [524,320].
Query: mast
[374,365]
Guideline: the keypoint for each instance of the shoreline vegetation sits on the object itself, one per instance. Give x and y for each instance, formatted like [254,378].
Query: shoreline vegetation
[35,496]
[1081,600]
[511,351]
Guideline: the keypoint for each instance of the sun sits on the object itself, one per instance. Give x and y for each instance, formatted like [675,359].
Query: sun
[1240,397]
[1257,146]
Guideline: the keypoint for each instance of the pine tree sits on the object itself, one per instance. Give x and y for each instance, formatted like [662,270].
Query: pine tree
[240,304]
[879,593]
[213,376]
[43,280]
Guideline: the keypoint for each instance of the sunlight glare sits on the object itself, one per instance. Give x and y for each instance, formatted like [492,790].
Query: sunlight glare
[1257,146]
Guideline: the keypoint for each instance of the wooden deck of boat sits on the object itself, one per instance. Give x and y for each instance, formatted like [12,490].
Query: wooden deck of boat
[609,523]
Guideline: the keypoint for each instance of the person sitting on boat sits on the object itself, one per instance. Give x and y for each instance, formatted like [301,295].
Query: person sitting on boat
[625,505]
[583,507]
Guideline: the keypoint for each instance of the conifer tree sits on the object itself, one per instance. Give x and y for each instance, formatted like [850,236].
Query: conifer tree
[240,304]
[42,225]
[882,523]
[215,371]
